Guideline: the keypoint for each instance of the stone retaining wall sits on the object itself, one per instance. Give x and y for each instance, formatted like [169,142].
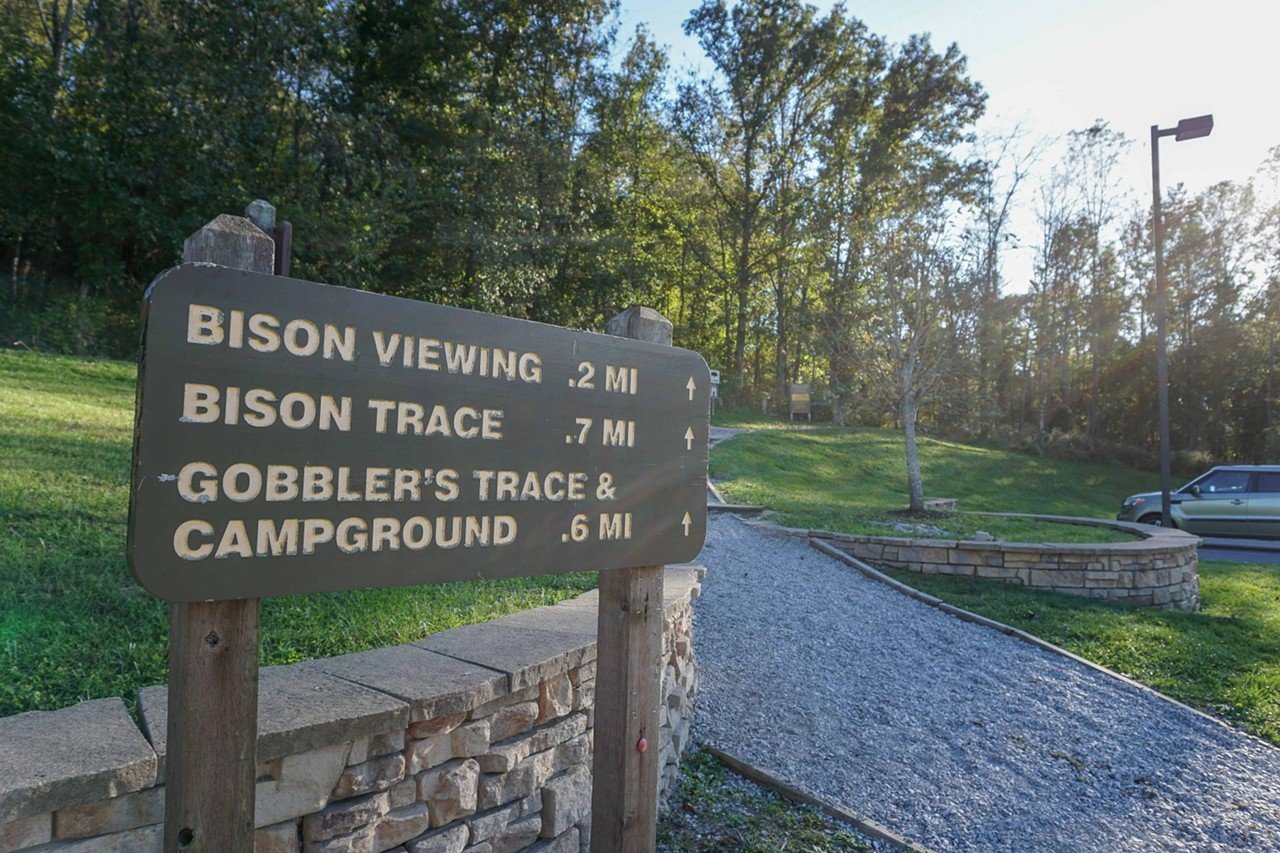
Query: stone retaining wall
[1161,570]
[474,739]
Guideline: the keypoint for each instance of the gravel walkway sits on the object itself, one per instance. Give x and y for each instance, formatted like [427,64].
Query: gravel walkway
[957,736]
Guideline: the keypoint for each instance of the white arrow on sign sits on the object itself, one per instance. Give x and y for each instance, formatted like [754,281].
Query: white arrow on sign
[686,522]
[688,439]
[692,386]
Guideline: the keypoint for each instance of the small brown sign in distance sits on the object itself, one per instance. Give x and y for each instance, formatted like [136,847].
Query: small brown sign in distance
[296,437]
[799,399]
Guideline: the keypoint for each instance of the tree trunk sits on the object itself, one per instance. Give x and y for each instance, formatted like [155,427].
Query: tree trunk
[915,485]
[743,289]
[781,369]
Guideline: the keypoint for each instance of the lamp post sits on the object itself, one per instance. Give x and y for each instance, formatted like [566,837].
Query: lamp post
[1187,128]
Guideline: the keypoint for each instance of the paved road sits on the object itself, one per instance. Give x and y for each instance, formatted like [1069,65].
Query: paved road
[1242,550]
[955,735]
[1238,554]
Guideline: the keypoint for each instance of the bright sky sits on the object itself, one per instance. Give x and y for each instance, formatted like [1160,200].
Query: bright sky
[1057,66]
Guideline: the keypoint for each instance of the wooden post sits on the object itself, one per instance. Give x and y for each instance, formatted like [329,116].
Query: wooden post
[624,797]
[213,654]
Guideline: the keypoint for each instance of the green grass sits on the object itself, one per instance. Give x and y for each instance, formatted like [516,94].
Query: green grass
[715,810]
[848,479]
[1224,660]
[73,623]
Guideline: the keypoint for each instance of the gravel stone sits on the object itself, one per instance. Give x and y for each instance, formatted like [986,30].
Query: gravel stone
[953,734]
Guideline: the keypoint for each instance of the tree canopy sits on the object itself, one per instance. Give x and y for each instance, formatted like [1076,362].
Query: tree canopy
[816,207]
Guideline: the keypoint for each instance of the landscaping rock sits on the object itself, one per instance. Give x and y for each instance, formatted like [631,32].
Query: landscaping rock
[566,800]
[517,836]
[26,832]
[449,839]
[566,842]
[345,816]
[496,789]
[487,824]
[376,775]
[296,785]
[403,793]
[400,825]
[513,719]
[450,790]
[280,838]
[146,839]
[104,817]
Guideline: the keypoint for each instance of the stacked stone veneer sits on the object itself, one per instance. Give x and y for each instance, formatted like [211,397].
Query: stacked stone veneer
[1161,570]
[474,739]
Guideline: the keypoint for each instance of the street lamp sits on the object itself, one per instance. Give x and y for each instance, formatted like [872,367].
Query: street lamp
[1188,128]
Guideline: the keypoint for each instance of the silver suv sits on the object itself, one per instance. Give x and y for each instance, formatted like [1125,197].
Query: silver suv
[1230,500]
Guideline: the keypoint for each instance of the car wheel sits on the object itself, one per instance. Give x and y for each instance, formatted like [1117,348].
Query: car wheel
[1152,518]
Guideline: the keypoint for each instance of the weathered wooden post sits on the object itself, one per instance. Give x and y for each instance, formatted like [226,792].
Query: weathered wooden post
[213,653]
[624,799]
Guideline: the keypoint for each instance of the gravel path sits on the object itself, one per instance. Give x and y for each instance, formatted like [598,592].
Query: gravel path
[955,735]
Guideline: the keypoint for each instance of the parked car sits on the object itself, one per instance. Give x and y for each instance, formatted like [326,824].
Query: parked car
[1230,500]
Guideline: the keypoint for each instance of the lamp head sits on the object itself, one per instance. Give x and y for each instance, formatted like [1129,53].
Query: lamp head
[1194,128]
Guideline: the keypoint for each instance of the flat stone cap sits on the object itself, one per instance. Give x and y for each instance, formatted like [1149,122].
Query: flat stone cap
[299,709]
[54,759]
[431,684]
[524,654]
[537,644]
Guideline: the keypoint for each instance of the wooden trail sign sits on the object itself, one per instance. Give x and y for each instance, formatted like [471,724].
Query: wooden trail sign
[799,400]
[296,437]
[293,437]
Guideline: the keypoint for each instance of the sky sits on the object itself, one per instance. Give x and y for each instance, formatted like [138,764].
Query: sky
[1052,67]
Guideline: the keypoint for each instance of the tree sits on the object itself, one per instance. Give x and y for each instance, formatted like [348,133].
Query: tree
[893,134]
[1007,161]
[749,132]
[915,297]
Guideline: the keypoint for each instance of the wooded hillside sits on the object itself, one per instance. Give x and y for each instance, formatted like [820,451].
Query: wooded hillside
[815,208]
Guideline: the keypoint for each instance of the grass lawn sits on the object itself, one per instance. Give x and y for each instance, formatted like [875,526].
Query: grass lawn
[73,623]
[848,479]
[1224,660]
[714,810]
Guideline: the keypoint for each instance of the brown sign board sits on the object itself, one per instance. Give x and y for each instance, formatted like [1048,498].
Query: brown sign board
[295,437]
[799,398]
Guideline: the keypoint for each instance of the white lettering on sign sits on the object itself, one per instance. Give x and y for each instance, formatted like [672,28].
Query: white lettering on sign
[619,433]
[623,380]
[210,326]
[201,482]
[198,540]
[423,353]
[207,404]
[415,419]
